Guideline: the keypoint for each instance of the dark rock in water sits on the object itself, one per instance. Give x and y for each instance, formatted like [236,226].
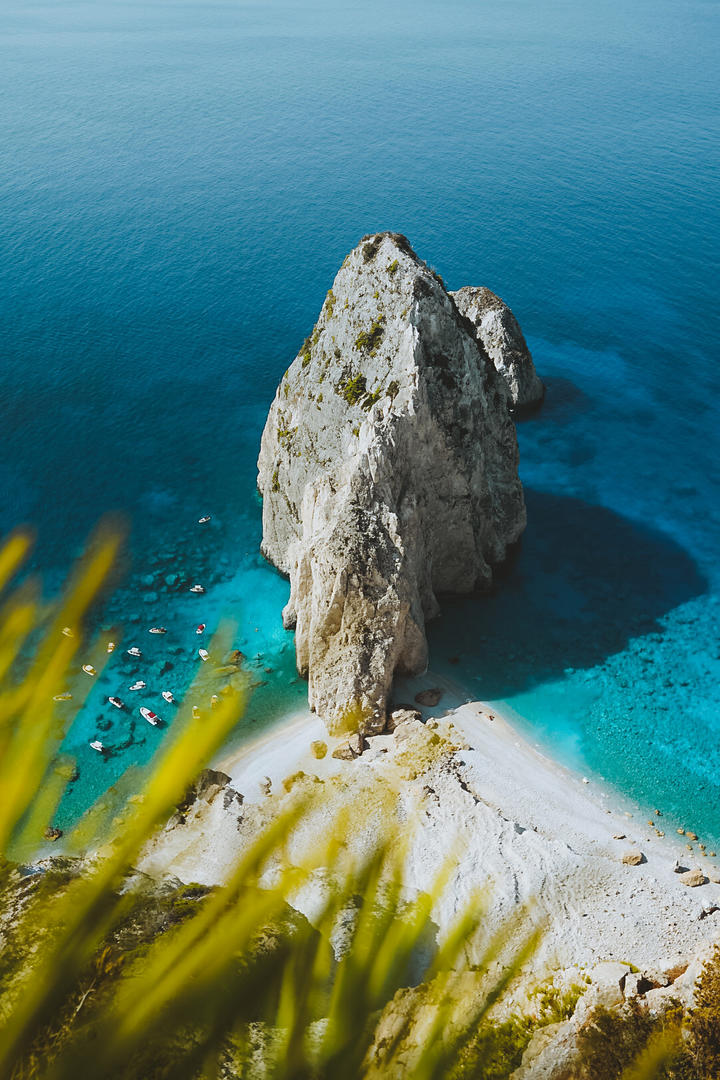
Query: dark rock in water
[389,475]
[52,833]
[104,725]
[429,698]
[167,666]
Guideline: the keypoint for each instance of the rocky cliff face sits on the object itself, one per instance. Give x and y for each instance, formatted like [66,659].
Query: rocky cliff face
[499,333]
[388,470]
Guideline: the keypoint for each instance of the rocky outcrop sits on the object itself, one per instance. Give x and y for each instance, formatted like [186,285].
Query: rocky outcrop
[499,333]
[388,471]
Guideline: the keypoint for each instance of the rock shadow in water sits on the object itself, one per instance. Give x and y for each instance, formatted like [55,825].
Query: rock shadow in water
[583,582]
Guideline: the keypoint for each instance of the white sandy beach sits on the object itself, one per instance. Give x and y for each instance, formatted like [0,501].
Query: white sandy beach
[524,826]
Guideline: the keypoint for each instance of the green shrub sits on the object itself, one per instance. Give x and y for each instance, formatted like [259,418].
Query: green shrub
[306,352]
[703,1024]
[354,389]
[370,249]
[494,1051]
[611,1041]
[393,266]
[370,398]
[370,339]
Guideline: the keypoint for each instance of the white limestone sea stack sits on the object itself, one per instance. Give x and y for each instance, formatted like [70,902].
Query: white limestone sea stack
[389,474]
[498,331]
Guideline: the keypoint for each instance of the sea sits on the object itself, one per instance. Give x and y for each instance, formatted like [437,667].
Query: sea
[180,182]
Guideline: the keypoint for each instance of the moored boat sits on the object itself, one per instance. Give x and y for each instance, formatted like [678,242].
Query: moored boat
[203,654]
[139,685]
[157,630]
[134,651]
[197,589]
[65,696]
[89,669]
[200,629]
[168,695]
[150,716]
[97,745]
[116,702]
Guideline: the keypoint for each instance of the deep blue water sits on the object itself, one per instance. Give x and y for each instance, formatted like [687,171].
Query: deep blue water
[181,181]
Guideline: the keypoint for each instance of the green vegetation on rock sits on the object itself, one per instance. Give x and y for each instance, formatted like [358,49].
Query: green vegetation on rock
[370,339]
[353,389]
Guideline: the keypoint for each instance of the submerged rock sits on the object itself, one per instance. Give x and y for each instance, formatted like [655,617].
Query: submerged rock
[499,333]
[429,698]
[388,470]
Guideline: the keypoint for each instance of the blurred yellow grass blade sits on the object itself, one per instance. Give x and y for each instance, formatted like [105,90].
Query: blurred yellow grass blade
[13,553]
[30,832]
[18,618]
[454,1015]
[659,1052]
[162,974]
[32,746]
[82,916]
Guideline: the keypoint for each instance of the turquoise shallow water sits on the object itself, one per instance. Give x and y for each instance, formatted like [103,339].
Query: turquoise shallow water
[181,183]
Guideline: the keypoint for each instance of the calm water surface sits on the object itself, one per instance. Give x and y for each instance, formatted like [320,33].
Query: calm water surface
[181,181]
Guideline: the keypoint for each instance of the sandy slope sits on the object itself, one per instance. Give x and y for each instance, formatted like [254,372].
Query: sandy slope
[523,825]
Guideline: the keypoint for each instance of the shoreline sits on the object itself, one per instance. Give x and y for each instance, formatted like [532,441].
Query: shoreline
[528,830]
[284,749]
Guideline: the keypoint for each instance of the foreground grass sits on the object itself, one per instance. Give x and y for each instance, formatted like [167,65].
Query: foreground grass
[106,973]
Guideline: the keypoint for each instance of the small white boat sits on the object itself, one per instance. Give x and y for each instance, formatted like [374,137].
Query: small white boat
[89,669]
[65,696]
[204,520]
[214,701]
[116,702]
[157,630]
[168,695]
[203,654]
[195,713]
[139,685]
[111,646]
[197,589]
[134,651]
[67,631]
[200,628]
[150,716]
[97,745]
